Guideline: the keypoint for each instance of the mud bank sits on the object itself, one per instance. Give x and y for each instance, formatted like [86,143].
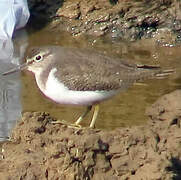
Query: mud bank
[41,150]
[129,20]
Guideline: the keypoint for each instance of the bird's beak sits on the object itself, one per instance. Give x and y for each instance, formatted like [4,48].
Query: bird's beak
[18,68]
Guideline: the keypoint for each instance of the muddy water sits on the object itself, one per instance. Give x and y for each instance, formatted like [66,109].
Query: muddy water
[19,93]
[126,109]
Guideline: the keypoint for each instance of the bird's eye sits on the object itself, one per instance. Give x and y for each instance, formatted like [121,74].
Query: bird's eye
[38,58]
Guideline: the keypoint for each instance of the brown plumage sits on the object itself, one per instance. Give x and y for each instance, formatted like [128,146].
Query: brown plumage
[86,70]
[83,77]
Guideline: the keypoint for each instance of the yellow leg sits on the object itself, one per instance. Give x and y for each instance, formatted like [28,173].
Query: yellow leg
[83,115]
[96,111]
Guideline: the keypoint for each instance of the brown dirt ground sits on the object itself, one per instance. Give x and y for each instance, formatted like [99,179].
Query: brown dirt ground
[118,19]
[40,150]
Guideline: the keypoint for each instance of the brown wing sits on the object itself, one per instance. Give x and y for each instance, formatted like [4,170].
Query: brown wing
[88,70]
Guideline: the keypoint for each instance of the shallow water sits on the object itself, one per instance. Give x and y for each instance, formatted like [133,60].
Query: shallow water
[126,109]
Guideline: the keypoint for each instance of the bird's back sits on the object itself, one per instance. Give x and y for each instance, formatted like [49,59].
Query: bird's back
[89,70]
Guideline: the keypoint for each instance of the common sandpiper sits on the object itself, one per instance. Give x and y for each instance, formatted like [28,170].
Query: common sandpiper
[83,77]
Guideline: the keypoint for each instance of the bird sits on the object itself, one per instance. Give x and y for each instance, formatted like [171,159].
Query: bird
[82,76]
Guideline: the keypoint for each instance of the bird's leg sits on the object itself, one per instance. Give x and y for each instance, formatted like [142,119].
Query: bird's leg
[88,109]
[96,111]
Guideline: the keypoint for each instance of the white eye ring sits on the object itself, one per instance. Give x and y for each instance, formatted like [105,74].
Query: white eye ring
[38,58]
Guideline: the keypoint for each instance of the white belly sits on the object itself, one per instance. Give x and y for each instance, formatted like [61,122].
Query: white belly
[56,91]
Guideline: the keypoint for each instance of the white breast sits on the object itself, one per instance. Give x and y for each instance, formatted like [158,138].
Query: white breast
[56,91]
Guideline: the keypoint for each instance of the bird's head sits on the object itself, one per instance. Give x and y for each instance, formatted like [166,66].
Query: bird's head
[37,58]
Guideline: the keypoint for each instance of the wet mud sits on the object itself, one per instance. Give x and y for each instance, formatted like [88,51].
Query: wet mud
[118,19]
[39,149]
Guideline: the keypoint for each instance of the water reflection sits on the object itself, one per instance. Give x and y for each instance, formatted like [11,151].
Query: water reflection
[10,86]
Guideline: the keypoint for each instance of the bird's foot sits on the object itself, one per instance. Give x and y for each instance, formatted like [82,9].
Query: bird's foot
[76,126]
[63,122]
[140,84]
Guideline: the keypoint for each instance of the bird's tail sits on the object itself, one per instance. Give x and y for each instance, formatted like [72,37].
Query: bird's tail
[149,72]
